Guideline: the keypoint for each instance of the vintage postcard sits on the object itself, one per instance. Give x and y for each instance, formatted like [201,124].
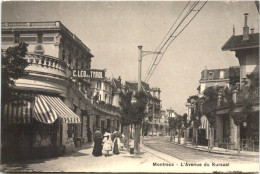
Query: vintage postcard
[130,86]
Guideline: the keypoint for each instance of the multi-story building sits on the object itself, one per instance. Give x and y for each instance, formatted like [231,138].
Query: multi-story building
[53,53]
[105,95]
[246,48]
[153,106]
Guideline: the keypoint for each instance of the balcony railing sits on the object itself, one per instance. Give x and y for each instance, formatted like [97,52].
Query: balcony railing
[46,61]
[30,24]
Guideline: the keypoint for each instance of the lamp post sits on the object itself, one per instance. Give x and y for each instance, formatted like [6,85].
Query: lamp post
[140,57]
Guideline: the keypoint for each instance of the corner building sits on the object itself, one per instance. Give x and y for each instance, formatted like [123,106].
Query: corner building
[59,118]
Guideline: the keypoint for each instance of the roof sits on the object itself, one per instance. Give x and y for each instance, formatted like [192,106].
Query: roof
[43,26]
[232,71]
[134,85]
[237,42]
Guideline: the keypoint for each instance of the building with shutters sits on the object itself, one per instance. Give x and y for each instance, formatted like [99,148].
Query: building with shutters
[63,114]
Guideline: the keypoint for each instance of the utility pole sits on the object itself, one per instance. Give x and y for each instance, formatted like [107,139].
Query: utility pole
[140,57]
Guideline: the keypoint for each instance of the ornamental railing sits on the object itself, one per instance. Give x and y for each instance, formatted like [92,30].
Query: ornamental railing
[47,61]
[30,24]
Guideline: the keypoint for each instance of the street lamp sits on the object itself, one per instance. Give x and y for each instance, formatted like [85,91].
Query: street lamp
[141,55]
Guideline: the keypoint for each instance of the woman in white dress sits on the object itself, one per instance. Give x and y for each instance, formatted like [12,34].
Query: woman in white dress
[107,146]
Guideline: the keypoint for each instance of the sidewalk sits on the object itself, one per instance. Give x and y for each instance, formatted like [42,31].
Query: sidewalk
[83,161]
[218,150]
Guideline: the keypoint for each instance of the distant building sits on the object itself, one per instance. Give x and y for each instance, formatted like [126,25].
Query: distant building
[153,106]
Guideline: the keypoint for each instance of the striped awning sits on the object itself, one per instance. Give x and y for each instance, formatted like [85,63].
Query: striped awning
[47,109]
[17,115]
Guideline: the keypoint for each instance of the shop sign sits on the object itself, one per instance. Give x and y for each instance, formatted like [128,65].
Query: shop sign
[88,73]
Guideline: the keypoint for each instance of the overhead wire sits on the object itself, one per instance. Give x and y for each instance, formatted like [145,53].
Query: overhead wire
[167,34]
[186,15]
[151,71]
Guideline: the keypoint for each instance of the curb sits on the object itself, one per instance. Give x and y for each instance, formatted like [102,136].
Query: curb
[221,153]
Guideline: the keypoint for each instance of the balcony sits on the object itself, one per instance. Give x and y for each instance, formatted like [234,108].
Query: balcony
[44,64]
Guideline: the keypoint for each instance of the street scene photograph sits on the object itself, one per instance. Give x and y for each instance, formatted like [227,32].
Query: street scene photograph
[130,86]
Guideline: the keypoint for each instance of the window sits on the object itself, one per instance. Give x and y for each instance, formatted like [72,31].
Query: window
[105,97]
[221,75]
[39,38]
[108,123]
[16,38]
[210,76]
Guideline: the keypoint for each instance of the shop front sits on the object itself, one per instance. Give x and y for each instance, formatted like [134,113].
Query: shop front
[38,129]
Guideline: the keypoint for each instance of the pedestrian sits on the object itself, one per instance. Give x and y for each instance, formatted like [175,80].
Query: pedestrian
[97,150]
[107,146]
[122,142]
[116,141]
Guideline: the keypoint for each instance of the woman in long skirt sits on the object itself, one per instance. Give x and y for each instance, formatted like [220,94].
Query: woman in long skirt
[97,150]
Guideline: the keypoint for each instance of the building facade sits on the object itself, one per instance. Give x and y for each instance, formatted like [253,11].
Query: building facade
[63,114]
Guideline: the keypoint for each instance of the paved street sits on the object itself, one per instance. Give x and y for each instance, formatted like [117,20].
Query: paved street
[193,156]
[161,152]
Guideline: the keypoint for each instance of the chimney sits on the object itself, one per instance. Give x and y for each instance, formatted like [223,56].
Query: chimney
[252,30]
[205,73]
[245,29]
[234,30]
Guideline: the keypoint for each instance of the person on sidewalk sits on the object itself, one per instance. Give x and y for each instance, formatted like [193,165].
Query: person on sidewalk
[97,150]
[116,141]
[107,146]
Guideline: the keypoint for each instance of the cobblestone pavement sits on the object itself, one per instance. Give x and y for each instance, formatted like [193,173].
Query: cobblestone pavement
[189,155]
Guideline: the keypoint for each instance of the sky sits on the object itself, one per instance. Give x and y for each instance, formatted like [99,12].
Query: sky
[114,29]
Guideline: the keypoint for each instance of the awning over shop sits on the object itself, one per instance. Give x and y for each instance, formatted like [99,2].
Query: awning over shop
[17,115]
[46,109]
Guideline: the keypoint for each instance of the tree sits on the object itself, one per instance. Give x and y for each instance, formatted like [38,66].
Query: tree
[171,126]
[195,101]
[125,114]
[13,67]
[137,115]
[246,115]
[186,124]
[133,113]
[210,104]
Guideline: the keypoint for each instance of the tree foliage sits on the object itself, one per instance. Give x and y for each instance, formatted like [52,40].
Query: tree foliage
[133,113]
[13,67]
[210,104]
[196,102]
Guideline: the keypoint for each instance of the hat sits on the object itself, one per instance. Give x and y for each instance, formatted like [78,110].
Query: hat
[106,134]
